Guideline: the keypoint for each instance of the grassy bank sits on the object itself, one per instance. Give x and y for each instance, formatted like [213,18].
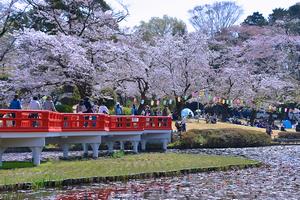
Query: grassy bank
[221,138]
[127,165]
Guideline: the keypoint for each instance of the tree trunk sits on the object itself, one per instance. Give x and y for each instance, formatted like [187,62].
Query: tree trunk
[179,107]
[252,116]
[225,112]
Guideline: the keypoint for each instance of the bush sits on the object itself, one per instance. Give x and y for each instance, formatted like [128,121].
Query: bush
[64,108]
[221,138]
[289,135]
[118,154]
[126,111]
[4,77]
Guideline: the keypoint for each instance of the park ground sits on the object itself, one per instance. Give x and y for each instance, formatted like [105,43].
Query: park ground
[54,169]
[202,125]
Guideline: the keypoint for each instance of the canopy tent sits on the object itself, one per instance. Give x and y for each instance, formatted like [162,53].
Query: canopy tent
[186,112]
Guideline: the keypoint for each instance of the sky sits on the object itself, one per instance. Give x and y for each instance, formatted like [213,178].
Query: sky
[145,9]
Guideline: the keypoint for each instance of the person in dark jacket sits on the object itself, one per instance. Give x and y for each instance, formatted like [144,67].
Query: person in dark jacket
[134,111]
[15,103]
[88,105]
[88,109]
[118,109]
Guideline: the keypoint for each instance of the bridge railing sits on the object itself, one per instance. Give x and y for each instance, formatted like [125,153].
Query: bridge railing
[48,121]
[84,122]
[157,123]
[29,121]
[125,123]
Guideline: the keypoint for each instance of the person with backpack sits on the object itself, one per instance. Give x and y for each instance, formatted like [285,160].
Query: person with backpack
[15,103]
[134,111]
[88,105]
[118,109]
[87,108]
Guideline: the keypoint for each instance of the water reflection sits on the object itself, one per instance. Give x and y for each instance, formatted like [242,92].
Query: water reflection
[152,190]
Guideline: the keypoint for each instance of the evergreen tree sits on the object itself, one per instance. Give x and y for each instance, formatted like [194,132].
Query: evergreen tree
[256,19]
[278,14]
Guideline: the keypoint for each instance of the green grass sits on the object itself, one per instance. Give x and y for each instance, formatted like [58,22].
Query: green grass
[16,165]
[127,165]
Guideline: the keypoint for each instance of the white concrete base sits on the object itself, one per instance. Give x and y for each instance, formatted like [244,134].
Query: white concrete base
[85,148]
[135,145]
[165,145]
[1,153]
[36,155]
[65,148]
[95,147]
[111,139]
[156,137]
[143,144]
[110,146]
[122,145]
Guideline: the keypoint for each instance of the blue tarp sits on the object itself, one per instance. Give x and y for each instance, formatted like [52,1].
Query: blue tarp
[287,124]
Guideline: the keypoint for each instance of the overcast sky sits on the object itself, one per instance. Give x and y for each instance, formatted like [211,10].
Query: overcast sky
[145,9]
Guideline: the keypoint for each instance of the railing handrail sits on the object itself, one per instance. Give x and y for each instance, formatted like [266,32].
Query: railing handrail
[48,121]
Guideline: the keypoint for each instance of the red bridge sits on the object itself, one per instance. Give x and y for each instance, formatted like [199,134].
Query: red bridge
[36,128]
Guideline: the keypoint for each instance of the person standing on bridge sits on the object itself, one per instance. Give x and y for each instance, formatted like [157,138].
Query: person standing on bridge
[15,103]
[80,107]
[134,111]
[118,109]
[88,105]
[49,105]
[88,109]
[102,108]
[34,105]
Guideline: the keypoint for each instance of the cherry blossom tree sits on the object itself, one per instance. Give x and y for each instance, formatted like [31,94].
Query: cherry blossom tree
[74,50]
[254,68]
[183,63]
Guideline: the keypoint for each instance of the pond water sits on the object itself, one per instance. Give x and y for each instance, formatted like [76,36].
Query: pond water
[279,179]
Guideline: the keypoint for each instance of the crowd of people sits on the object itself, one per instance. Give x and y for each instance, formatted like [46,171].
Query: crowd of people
[87,106]
[34,104]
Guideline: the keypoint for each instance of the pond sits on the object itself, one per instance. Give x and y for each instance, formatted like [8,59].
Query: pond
[278,179]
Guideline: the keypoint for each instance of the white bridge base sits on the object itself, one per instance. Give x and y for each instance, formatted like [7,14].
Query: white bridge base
[36,141]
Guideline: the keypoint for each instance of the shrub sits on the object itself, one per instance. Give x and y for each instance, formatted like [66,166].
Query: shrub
[64,108]
[289,135]
[4,77]
[221,138]
[126,111]
[118,154]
